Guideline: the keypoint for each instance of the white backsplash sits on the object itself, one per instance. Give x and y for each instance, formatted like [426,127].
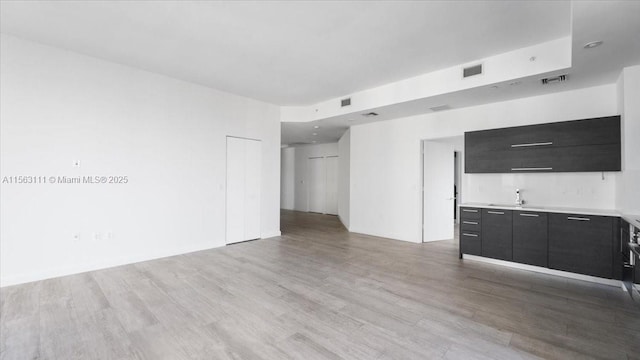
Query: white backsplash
[579,190]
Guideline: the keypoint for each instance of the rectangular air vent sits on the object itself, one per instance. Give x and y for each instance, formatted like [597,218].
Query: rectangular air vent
[472,70]
[555,79]
[345,102]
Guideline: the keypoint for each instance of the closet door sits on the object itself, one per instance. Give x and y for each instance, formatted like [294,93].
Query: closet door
[243,189]
[317,184]
[331,163]
[252,185]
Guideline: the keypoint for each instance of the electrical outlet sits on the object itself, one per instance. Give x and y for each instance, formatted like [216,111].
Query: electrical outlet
[76,163]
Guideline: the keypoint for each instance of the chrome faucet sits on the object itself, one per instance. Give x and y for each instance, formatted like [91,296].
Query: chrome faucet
[519,201]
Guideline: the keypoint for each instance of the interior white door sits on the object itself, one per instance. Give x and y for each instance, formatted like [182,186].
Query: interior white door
[331,198]
[317,178]
[252,185]
[235,190]
[243,189]
[438,180]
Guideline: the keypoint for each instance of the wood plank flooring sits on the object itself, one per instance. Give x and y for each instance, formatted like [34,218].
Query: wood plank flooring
[317,292]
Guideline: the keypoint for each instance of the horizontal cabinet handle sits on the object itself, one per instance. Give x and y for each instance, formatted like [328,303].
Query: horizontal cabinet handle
[466,210]
[470,222]
[532,144]
[472,235]
[496,212]
[531,215]
[577,218]
[531,168]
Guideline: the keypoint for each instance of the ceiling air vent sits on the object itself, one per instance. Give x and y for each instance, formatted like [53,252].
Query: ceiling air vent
[440,108]
[472,70]
[345,102]
[555,79]
[371,114]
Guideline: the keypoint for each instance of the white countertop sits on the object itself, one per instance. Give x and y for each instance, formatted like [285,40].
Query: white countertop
[633,219]
[551,209]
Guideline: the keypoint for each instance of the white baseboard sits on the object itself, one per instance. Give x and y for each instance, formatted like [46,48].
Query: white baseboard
[109,263]
[538,269]
[271,234]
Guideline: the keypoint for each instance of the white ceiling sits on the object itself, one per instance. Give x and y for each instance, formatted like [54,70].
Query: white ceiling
[286,52]
[304,52]
[617,23]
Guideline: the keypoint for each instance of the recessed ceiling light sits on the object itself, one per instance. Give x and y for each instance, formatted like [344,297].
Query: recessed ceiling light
[593,44]
[316,127]
[314,134]
[515,83]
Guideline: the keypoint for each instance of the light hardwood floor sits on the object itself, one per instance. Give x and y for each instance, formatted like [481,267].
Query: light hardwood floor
[318,292]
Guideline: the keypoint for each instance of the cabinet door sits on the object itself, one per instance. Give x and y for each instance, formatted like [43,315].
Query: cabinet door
[497,234]
[489,151]
[530,241]
[582,244]
[569,159]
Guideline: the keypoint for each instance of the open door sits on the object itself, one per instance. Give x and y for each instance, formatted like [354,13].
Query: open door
[438,183]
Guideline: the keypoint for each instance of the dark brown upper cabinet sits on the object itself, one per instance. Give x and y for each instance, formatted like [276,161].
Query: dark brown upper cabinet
[569,146]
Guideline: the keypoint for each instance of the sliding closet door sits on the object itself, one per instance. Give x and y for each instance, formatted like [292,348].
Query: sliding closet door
[252,183]
[243,189]
[317,184]
[331,164]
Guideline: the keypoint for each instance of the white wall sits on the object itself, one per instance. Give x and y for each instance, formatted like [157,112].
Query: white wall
[628,191]
[385,161]
[287,178]
[344,181]
[168,137]
[302,155]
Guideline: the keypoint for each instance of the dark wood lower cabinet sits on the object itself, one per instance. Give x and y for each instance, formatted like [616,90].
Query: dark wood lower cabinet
[530,240]
[470,231]
[581,244]
[497,234]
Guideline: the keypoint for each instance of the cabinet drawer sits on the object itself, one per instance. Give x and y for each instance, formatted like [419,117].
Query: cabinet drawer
[470,224]
[470,213]
[470,243]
